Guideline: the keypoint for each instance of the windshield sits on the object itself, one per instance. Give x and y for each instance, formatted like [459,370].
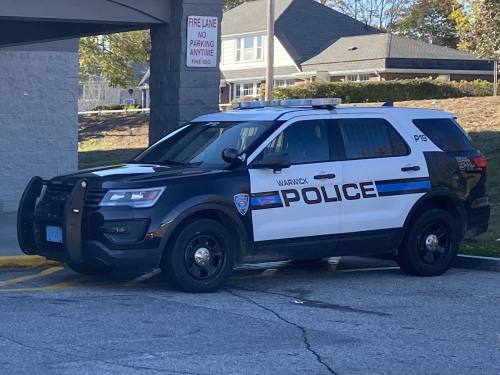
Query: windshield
[202,143]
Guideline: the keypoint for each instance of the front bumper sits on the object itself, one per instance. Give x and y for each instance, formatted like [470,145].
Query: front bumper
[86,233]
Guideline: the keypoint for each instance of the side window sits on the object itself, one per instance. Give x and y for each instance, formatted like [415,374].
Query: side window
[304,141]
[447,134]
[371,138]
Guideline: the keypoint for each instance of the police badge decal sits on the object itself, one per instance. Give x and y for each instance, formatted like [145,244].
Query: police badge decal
[242,201]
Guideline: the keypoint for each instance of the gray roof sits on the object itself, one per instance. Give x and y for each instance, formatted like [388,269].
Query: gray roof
[293,25]
[385,46]
[250,16]
[258,72]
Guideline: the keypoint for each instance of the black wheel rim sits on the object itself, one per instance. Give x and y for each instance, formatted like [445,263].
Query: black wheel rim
[434,242]
[204,257]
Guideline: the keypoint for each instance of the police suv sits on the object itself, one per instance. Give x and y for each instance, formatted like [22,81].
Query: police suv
[269,181]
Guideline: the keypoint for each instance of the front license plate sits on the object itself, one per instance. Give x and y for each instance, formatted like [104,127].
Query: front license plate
[54,234]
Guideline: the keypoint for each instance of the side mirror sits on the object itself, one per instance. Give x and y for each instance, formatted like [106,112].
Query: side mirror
[231,155]
[276,162]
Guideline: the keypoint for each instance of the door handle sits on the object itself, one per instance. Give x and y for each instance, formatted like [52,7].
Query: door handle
[324,176]
[407,169]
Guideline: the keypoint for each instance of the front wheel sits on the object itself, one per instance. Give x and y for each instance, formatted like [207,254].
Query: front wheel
[430,245]
[201,258]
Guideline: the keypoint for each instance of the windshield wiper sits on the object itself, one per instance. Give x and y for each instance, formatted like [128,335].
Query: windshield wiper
[173,162]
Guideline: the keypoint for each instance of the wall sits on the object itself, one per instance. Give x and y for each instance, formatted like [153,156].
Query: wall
[228,56]
[38,115]
[180,93]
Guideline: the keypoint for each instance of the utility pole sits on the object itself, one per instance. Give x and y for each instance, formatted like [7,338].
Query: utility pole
[270,51]
[495,78]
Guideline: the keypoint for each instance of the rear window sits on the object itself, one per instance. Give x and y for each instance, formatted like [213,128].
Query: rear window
[446,134]
[370,138]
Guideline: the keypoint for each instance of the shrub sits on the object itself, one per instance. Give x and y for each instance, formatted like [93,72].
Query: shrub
[386,91]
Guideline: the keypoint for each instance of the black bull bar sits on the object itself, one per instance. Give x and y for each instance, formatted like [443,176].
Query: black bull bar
[28,234]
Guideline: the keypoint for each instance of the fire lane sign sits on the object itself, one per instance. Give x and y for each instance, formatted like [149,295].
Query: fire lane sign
[202,37]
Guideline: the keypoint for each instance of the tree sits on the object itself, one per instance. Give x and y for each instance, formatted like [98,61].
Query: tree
[112,56]
[383,14]
[431,21]
[230,4]
[479,28]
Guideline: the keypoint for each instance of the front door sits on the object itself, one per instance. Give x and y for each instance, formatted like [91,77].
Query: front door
[296,213]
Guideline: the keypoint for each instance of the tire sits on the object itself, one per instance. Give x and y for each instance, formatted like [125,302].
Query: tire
[435,257]
[90,269]
[201,257]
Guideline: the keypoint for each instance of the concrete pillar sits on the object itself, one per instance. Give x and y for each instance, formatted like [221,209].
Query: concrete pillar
[179,93]
[38,115]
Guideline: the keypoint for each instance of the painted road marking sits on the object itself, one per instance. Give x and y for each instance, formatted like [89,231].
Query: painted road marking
[330,268]
[144,277]
[21,279]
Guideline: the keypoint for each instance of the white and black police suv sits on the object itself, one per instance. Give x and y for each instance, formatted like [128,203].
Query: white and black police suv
[269,181]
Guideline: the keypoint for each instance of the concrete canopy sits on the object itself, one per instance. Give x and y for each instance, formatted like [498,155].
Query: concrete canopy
[28,21]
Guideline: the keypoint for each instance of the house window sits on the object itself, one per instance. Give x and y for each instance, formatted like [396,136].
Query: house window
[249,48]
[246,89]
[128,101]
[357,78]
[284,82]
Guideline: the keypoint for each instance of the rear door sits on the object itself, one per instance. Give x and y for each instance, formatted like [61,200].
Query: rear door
[382,180]
[296,213]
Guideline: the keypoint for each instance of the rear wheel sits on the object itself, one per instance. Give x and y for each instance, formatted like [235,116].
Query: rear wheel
[201,258]
[90,269]
[430,245]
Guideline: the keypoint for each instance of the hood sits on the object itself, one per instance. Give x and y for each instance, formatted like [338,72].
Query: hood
[124,175]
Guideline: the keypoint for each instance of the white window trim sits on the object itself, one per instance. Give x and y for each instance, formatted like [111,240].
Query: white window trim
[358,77]
[255,93]
[242,49]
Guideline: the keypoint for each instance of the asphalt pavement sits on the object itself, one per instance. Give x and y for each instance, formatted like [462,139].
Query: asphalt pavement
[361,316]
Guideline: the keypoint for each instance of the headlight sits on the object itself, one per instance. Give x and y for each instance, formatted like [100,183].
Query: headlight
[136,198]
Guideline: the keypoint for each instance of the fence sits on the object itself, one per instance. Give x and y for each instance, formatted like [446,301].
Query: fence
[116,111]
[222,108]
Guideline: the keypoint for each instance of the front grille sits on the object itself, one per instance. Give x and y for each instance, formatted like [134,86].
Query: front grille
[55,197]
[94,197]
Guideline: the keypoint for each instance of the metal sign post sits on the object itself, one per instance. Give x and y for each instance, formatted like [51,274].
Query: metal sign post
[495,78]
[270,51]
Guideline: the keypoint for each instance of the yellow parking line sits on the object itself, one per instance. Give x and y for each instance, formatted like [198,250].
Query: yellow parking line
[142,278]
[30,277]
[67,284]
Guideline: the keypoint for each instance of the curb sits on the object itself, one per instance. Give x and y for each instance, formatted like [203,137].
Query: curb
[477,263]
[25,261]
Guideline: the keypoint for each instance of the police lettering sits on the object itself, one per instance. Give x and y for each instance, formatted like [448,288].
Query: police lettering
[327,194]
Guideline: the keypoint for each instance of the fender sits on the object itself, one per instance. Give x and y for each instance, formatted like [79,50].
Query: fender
[202,203]
[437,192]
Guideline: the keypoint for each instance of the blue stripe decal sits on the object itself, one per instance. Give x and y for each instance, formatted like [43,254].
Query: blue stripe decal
[262,201]
[389,188]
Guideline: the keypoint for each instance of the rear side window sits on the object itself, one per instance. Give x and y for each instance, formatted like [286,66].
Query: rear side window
[371,138]
[445,134]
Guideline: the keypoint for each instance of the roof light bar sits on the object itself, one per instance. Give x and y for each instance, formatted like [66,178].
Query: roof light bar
[320,102]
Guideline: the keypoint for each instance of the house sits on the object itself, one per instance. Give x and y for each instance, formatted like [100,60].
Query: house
[316,43]
[95,91]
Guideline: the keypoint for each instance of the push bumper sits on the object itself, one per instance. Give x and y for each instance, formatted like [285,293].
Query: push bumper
[75,222]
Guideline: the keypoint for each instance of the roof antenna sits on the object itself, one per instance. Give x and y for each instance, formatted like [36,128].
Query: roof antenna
[388,104]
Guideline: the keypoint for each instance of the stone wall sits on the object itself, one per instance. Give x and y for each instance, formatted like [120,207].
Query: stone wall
[180,93]
[38,115]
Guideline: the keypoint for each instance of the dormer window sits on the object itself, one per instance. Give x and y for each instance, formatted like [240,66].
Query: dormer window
[249,48]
